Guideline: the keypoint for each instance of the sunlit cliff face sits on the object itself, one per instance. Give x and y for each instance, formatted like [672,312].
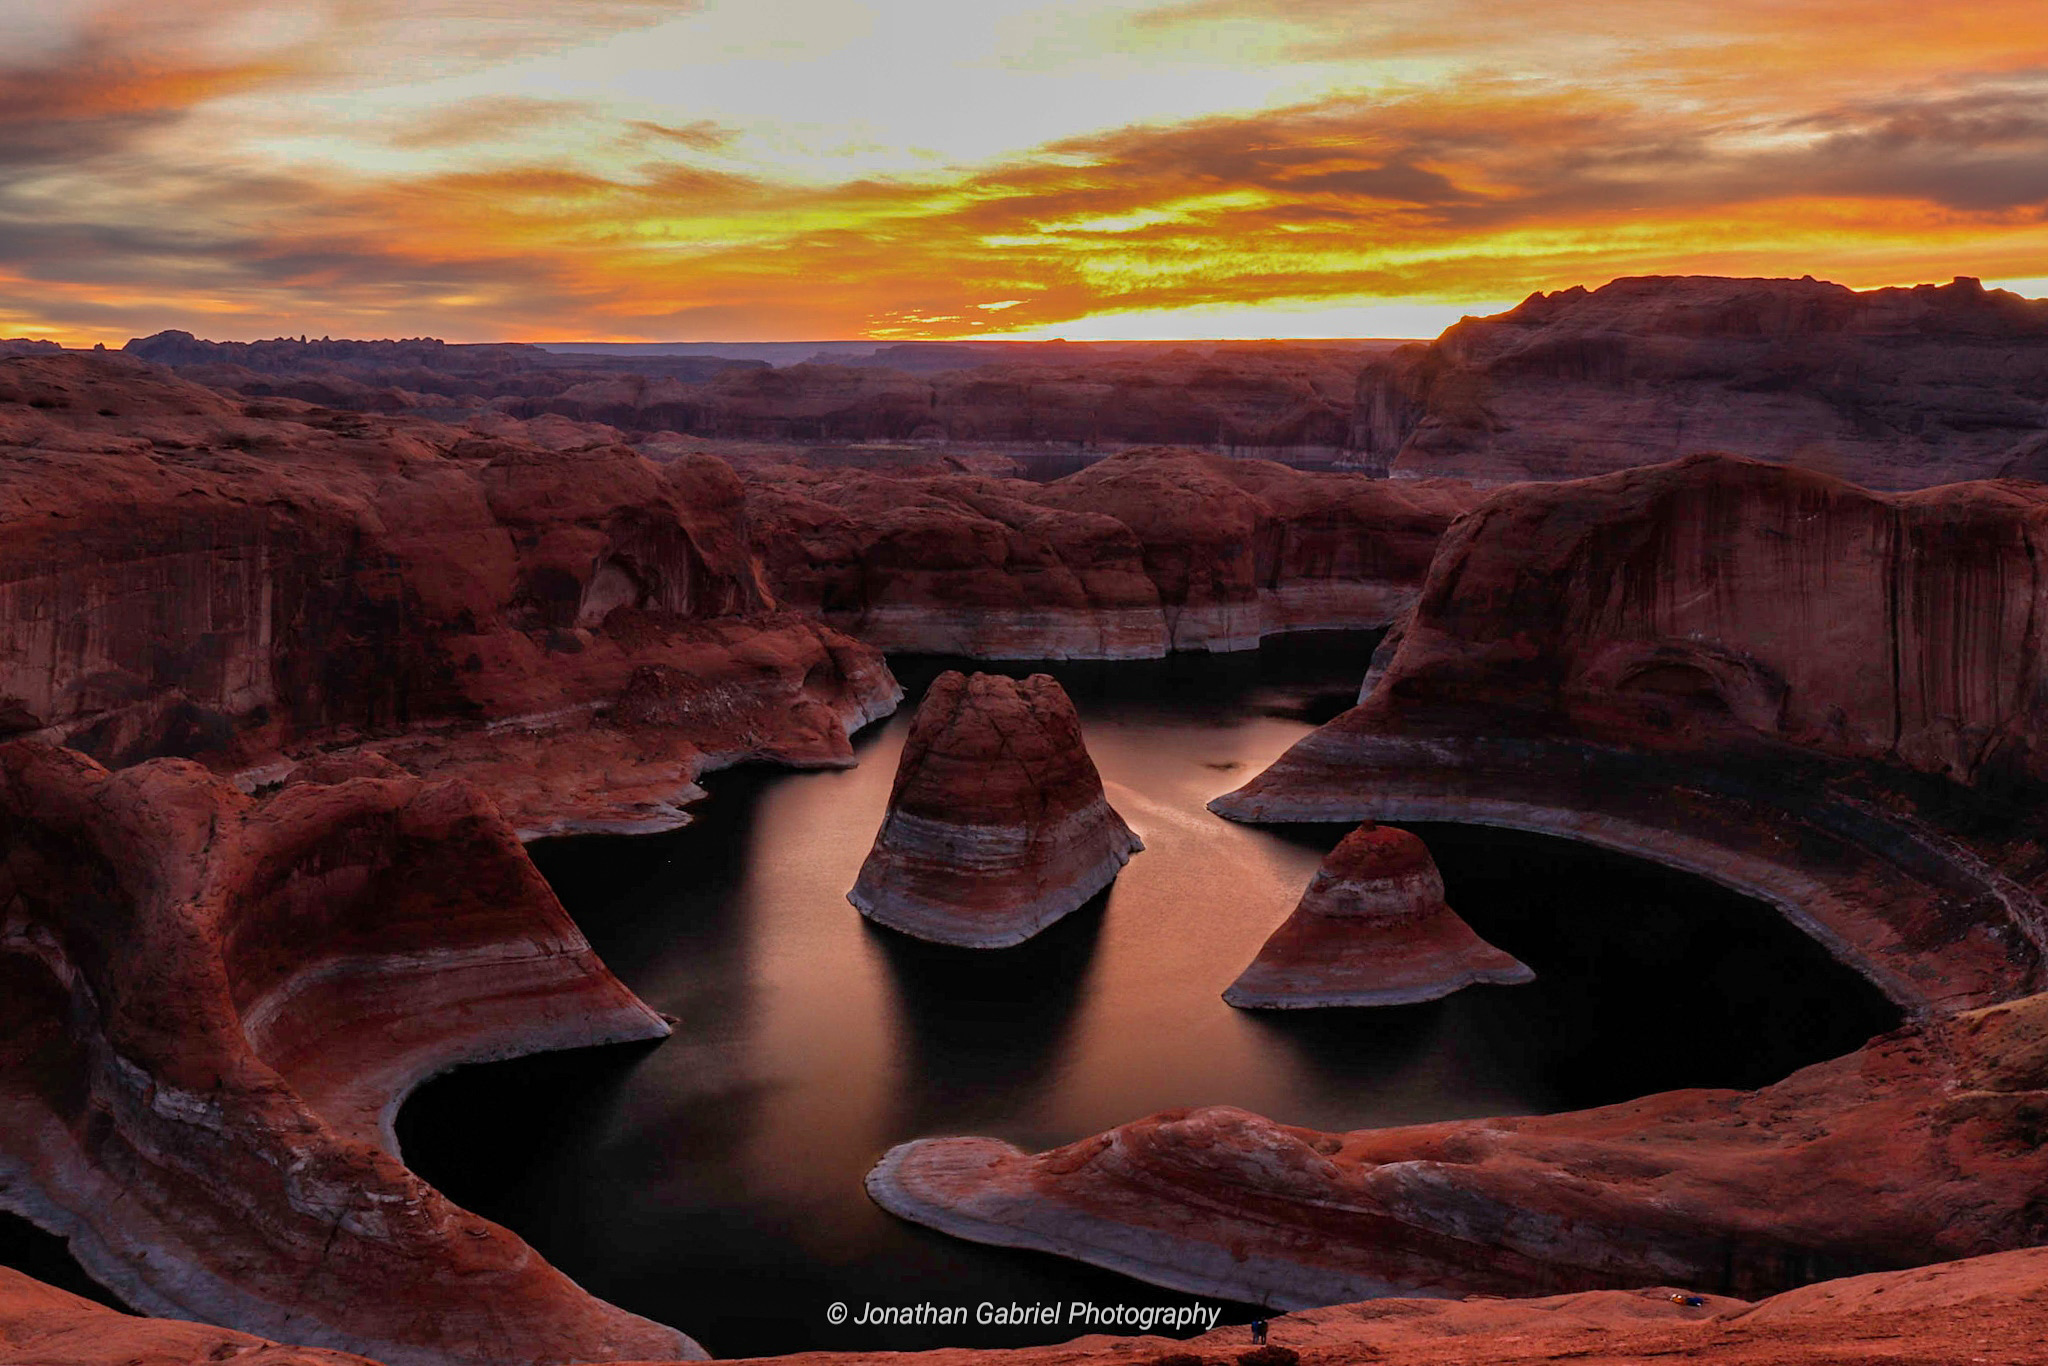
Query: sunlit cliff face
[763,169]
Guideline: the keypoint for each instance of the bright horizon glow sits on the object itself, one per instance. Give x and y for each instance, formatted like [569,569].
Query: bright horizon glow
[917,169]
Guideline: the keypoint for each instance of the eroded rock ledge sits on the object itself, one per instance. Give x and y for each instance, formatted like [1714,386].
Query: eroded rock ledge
[212,1005]
[997,824]
[1921,1147]
[1372,930]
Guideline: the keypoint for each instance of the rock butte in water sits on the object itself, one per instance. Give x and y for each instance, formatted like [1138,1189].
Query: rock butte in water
[1140,554]
[1923,1146]
[1820,696]
[1372,930]
[1994,1306]
[997,824]
[211,1007]
[1895,388]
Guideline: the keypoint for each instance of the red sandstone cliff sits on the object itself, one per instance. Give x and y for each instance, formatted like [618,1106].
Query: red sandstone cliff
[210,1008]
[583,632]
[1895,388]
[1826,697]
[997,825]
[1145,552]
[1372,930]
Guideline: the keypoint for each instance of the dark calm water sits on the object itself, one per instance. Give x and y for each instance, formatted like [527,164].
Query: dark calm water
[714,1181]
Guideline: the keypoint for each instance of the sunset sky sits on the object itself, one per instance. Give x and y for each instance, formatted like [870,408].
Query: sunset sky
[807,169]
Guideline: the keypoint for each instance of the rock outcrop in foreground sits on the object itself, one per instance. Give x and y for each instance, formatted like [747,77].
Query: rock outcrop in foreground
[1827,698]
[1372,930]
[997,823]
[1140,554]
[1924,1146]
[581,632]
[1994,1307]
[1894,388]
[211,1007]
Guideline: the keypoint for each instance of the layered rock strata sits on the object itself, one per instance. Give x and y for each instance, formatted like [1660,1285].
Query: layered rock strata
[189,573]
[997,823]
[1895,388]
[211,1007]
[1921,1147]
[1992,1306]
[1143,553]
[1821,696]
[1372,930]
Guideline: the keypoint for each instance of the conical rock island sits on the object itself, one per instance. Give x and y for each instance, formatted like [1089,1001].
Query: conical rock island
[997,823]
[1372,930]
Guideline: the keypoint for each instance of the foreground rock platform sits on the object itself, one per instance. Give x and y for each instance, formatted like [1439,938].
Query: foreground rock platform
[997,824]
[1372,930]
[1921,1147]
[1994,1307]
[211,1008]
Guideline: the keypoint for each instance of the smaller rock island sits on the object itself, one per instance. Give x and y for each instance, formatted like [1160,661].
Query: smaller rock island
[997,823]
[1371,930]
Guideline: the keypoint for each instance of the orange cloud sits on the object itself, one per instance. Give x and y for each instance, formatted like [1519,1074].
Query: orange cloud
[1485,186]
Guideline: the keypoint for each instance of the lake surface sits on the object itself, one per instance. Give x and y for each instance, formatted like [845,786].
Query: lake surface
[714,1181]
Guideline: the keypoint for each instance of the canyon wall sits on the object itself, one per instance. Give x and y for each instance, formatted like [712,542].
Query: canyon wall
[1142,553]
[1823,696]
[1894,388]
[187,573]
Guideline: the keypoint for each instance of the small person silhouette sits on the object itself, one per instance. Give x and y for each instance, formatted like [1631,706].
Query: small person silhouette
[1258,1332]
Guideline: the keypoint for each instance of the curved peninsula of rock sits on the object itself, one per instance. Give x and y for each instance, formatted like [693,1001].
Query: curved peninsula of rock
[1918,1148]
[211,1007]
[997,824]
[1372,930]
[1895,388]
[250,582]
[1821,696]
[1146,552]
